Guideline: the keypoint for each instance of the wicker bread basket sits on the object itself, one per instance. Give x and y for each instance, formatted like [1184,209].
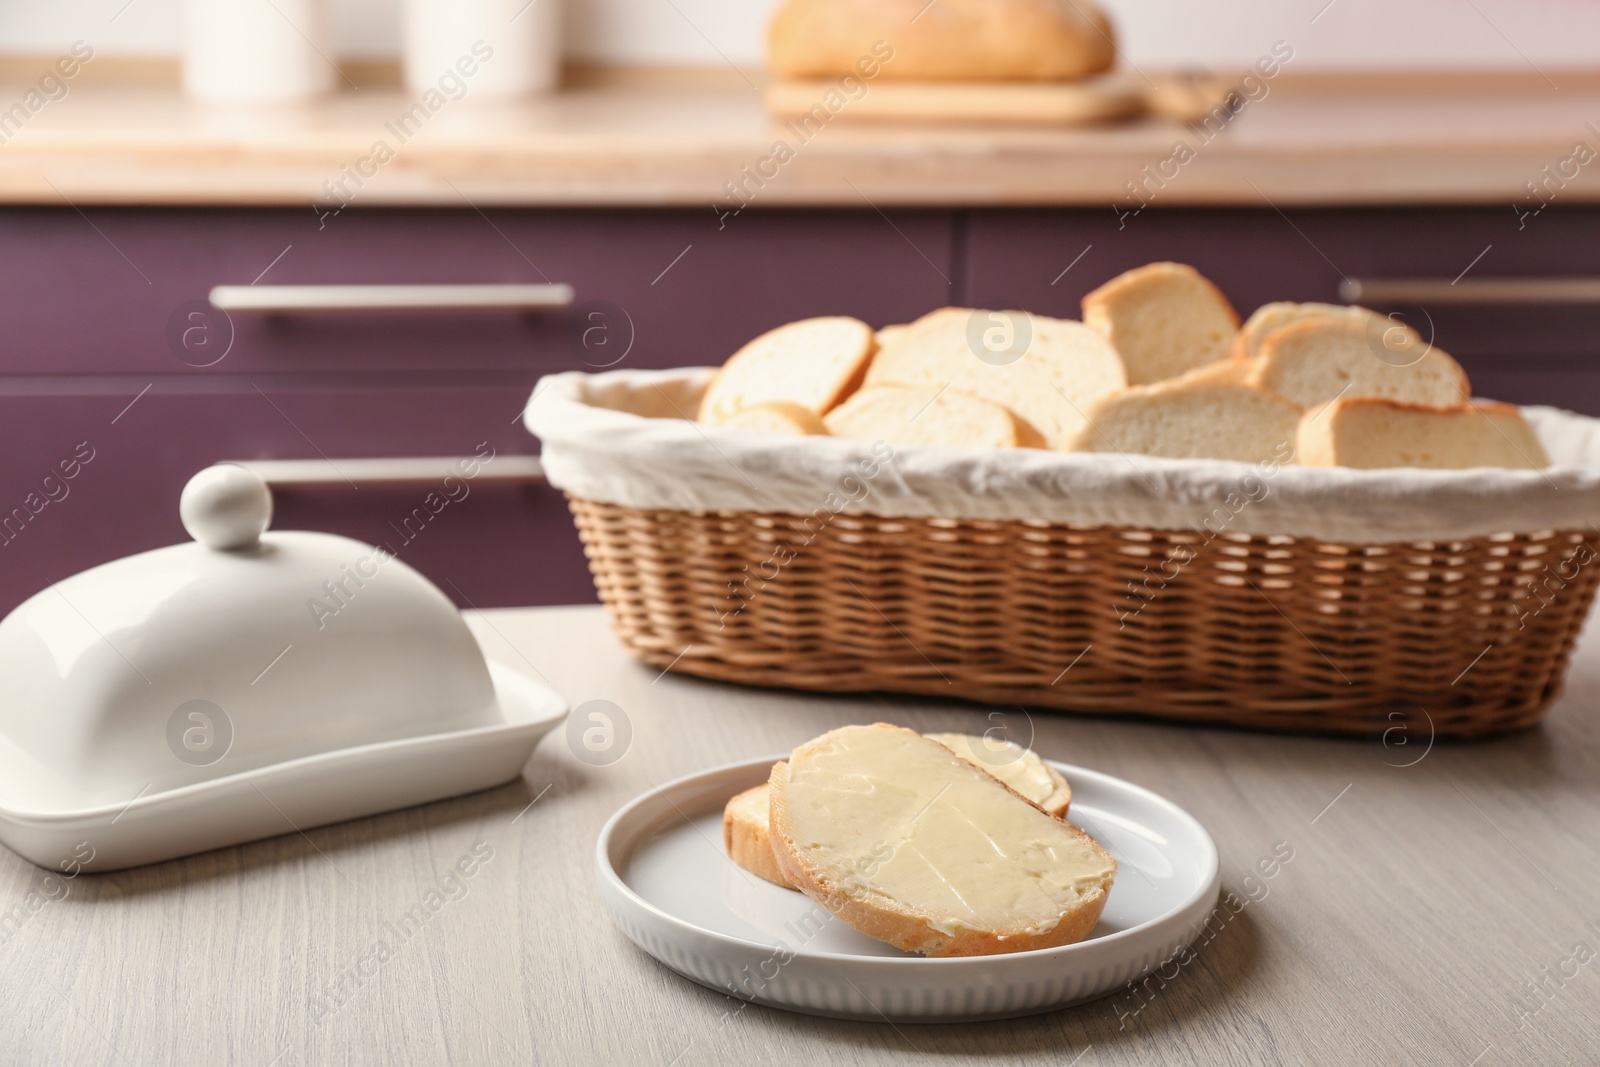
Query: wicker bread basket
[1439,603]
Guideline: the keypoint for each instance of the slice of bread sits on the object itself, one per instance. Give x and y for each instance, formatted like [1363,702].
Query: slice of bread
[1193,420]
[814,363]
[1371,433]
[1233,371]
[912,845]
[903,416]
[1328,357]
[747,836]
[778,416]
[953,40]
[1270,317]
[746,831]
[1048,384]
[888,335]
[1163,319]
[1019,768]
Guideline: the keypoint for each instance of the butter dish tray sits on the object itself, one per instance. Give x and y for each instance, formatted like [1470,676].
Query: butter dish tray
[243,686]
[669,886]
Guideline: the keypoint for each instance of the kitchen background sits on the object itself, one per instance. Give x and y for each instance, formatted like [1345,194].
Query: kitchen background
[1437,887]
[1433,140]
[1438,34]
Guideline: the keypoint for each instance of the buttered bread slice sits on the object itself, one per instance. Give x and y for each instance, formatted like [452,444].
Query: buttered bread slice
[1016,766]
[747,832]
[747,837]
[913,845]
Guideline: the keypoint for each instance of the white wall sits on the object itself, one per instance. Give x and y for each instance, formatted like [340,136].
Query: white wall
[1402,34]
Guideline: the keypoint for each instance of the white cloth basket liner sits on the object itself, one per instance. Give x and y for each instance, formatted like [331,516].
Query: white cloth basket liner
[627,437]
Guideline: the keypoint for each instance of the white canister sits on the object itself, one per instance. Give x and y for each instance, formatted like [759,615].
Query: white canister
[521,39]
[257,51]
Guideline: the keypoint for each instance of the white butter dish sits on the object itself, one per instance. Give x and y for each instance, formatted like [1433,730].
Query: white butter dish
[244,686]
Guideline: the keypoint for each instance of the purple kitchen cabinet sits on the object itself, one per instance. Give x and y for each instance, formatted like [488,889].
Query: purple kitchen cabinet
[126,295]
[1045,261]
[101,311]
[90,361]
[489,545]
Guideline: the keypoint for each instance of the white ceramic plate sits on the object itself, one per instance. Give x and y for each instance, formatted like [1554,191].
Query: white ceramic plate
[345,783]
[670,887]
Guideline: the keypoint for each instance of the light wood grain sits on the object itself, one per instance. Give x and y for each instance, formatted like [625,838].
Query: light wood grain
[1000,104]
[1414,908]
[679,142]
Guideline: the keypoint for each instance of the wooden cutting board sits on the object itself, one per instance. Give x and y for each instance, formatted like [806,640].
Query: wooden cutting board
[1103,99]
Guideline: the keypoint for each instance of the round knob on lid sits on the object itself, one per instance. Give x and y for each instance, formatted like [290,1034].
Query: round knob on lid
[226,507]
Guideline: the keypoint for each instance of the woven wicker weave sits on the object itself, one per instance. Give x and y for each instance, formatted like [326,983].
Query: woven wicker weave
[1443,639]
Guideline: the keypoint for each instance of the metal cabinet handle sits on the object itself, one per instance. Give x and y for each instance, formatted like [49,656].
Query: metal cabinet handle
[409,470]
[1480,291]
[279,299]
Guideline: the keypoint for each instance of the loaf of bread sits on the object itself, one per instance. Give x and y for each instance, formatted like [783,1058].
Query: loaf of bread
[814,363]
[949,40]
[1327,357]
[1164,319]
[776,416]
[910,844]
[1186,419]
[747,831]
[904,416]
[1370,433]
[1057,370]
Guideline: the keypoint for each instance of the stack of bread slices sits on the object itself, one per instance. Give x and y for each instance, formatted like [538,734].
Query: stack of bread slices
[1159,365]
[945,844]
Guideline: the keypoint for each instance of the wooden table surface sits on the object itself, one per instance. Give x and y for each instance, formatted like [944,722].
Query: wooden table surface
[1440,907]
[1302,139]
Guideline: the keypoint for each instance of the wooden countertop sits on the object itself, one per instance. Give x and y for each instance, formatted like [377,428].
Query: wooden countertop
[1431,890]
[1310,140]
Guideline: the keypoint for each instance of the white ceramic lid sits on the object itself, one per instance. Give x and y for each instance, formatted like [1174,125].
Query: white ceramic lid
[238,651]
